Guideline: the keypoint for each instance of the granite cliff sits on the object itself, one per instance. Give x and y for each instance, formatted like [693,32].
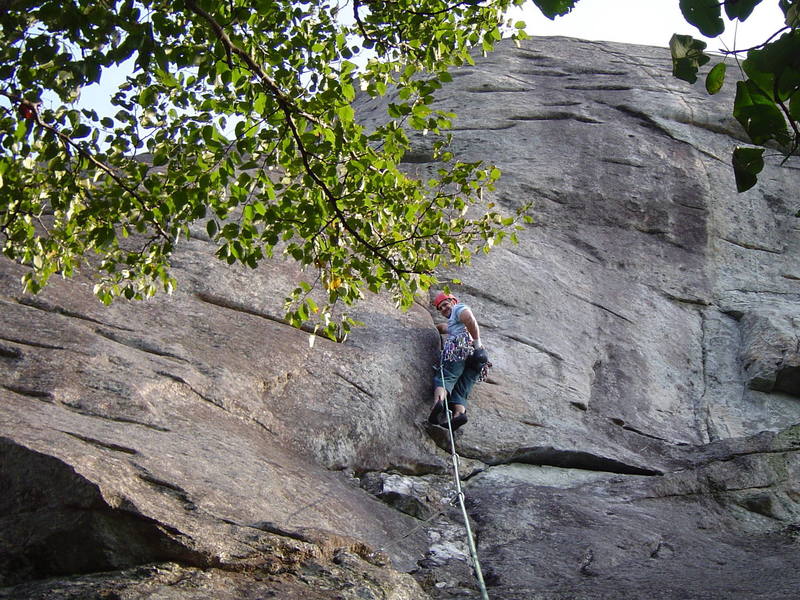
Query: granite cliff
[639,436]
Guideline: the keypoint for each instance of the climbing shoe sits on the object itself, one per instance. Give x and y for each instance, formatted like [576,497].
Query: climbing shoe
[435,418]
[458,421]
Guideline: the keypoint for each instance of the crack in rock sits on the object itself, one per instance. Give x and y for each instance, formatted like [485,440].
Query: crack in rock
[556,116]
[750,246]
[601,307]
[12,353]
[168,487]
[139,344]
[242,308]
[100,443]
[32,344]
[40,304]
[621,423]
[46,396]
[534,345]
[574,459]
[124,420]
[359,387]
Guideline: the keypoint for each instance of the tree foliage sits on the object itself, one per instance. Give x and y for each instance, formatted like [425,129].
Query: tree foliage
[237,123]
[245,112]
[767,102]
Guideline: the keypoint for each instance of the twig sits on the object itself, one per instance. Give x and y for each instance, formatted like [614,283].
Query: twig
[757,47]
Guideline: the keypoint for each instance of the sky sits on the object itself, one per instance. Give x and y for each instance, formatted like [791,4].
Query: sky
[649,22]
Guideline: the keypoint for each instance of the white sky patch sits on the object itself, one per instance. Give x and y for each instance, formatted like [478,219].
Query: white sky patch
[648,22]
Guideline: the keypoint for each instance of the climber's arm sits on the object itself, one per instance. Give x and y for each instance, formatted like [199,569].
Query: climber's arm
[471,323]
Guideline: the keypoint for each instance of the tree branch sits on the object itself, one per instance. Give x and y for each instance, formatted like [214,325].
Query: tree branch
[284,101]
[32,112]
[359,22]
[332,200]
[289,109]
[787,114]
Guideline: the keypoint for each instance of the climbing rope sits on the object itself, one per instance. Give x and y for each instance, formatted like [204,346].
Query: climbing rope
[476,565]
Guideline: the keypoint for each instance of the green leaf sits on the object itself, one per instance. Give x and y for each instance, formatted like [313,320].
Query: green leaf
[794,107]
[555,8]
[758,114]
[747,164]
[792,13]
[348,92]
[260,103]
[81,131]
[715,78]
[706,15]
[345,113]
[687,56]
[775,67]
[740,9]
[147,97]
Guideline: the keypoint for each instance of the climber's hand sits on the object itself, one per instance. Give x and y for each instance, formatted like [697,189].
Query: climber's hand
[478,358]
[439,395]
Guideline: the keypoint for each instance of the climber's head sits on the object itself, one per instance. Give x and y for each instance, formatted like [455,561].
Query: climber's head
[444,303]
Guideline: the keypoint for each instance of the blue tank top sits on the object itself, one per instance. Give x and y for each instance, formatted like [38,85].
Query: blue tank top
[454,326]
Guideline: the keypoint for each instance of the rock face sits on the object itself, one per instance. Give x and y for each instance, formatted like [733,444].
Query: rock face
[639,436]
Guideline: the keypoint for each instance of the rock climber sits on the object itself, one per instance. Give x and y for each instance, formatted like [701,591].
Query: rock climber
[463,362]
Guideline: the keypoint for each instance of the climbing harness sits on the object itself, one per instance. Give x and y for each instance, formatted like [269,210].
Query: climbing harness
[457,347]
[476,565]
